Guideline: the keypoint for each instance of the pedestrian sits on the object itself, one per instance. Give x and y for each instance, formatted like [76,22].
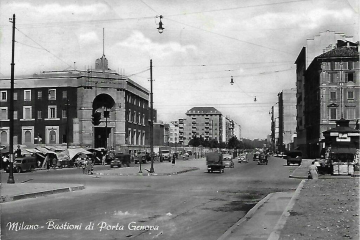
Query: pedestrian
[18,151]
[103,159]
[5,161]
[313,172]
[84,166]
[173,159]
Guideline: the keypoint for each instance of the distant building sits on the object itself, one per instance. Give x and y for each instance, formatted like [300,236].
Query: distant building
[174,132]
[287,119]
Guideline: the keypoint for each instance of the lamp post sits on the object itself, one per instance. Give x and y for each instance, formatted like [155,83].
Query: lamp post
[67,123]
[151,121]
[11,179]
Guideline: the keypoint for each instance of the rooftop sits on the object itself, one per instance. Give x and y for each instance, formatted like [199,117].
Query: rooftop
[203,110]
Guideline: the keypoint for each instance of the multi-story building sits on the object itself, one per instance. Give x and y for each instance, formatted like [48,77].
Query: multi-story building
[203,122]
[174,132]
[314,47]
[332,92]
[57,107]
[287,119]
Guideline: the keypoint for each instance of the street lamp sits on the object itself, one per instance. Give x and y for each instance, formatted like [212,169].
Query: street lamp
[160,28]
[232,81]
[11,150]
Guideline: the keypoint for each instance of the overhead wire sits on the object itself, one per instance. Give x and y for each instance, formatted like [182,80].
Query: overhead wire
[43,47]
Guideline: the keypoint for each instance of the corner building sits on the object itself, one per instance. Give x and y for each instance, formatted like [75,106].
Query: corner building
[56,108]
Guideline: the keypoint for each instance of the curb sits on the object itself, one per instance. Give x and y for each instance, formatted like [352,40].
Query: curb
[147,174]
[248,215]
[39,194]
[275,235]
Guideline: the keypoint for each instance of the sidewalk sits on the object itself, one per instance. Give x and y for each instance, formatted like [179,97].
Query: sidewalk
[274,218]
[17,191]
[160,168]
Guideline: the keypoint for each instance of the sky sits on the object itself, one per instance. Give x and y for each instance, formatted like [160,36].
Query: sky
[204,43]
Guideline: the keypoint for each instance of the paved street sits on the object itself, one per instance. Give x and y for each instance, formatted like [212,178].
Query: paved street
[192,205]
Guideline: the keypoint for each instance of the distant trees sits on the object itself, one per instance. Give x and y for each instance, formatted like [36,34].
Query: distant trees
[233,143]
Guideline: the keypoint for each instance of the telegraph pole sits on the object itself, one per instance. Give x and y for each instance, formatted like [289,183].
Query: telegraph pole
[151,121]
[11,146]
[67,123]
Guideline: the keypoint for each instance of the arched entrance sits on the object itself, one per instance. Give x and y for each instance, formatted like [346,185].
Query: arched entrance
[103,104]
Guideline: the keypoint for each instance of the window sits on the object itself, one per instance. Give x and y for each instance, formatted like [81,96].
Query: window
[15,96]
[52,94]
[332,96]
[127,115]
[63,114]
[332,113]
[350,65]
[27,112]
[349,77]
[39,95]
[3,96]
[64,94]
[3,113]
[350,113]
[334,77]
[52,112]
[134,117]
[27,95]
[129,136]
[15,114]
[350,95]
[39,115]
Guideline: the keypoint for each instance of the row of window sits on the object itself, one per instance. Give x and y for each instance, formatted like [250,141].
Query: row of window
[350,114]
[136,101]
[350,95]
[28,97]
[27,113]
[338,65]
[135,137]
[28,136]
[334,77]
[135,117]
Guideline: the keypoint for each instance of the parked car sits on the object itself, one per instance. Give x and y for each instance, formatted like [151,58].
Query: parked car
[294,157]
[115,163]
[242,158]
[23,164]
[256,156]
[228,163]
[142,156]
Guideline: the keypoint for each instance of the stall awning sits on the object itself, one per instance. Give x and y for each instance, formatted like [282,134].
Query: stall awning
[343,150]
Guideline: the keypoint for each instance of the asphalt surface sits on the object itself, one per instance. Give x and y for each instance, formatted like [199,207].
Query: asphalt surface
[192,205]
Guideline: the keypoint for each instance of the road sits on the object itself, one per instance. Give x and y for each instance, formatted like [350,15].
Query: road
[192,205]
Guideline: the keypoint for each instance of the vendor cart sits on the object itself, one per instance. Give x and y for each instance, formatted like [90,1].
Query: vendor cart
[342,160]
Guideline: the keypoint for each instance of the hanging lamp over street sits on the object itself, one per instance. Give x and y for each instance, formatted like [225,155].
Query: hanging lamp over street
[160,28]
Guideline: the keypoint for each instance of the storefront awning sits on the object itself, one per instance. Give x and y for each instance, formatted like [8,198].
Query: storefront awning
[343,150]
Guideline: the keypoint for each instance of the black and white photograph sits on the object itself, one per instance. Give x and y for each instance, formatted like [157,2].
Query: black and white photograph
[179,119]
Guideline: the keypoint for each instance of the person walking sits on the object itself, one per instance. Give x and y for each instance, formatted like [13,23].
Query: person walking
[313,172]
[103,159]
[173,159]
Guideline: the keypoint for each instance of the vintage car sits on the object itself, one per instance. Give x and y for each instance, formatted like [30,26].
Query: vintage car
[294,157]
[263,159]
[23,164]
[228,163]
[141,156]
[120,159]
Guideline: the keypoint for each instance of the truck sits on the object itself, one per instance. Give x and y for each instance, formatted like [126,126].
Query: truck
[165,153]
[214,162]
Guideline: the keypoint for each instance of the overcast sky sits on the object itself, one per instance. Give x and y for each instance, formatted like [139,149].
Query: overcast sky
[204,43]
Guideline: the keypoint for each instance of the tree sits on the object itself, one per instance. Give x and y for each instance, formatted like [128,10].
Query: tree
[233,143]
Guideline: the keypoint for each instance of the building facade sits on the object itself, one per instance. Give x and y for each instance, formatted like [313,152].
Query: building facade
[332,92]
[58,107]
[321,43]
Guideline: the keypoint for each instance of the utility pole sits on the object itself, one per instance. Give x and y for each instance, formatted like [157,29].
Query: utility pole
[11,146]
[151,121]
[67,123]
[341,92]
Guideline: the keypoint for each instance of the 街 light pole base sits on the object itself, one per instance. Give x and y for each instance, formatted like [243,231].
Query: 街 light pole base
[11,180]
